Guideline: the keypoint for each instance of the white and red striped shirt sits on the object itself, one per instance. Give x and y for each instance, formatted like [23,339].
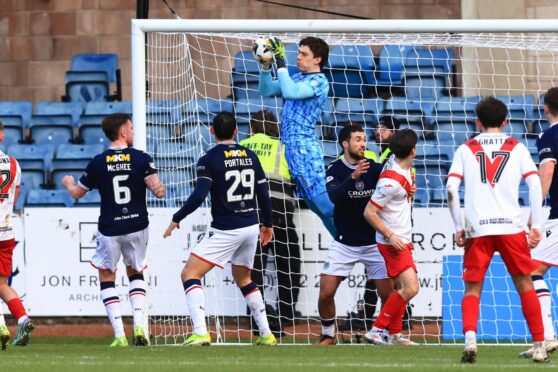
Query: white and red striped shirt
[492,166]
[391,196]
[10,178]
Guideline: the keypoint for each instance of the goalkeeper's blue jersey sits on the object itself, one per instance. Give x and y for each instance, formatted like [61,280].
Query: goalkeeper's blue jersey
[300,115]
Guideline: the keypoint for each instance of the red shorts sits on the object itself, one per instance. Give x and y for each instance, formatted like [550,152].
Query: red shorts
[6,253]
[397,260]
[513,250]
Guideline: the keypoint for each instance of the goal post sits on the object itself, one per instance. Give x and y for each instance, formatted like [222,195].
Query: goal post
[429,74]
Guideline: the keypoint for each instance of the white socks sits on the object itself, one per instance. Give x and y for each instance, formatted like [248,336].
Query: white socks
[137,298]
[112,305]
[546,301]
[255,302]
[196,305]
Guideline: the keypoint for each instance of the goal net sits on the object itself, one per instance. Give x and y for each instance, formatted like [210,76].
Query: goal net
[429,81]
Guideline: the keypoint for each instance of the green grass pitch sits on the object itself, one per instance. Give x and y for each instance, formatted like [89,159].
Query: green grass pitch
[83,355]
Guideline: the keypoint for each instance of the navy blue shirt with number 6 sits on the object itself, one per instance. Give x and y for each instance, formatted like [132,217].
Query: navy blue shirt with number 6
[119,175]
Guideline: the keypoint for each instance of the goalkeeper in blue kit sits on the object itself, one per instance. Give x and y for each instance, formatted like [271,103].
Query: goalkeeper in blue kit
[305,94]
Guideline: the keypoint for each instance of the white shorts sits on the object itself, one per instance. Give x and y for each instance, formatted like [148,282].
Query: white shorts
[132,247]
[341,260]
[547,250]
[238,245]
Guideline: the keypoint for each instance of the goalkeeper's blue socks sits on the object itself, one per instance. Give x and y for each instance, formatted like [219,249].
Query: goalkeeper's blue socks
[323,207]
[196,304]
[137,298]
[111,300]
[255,303]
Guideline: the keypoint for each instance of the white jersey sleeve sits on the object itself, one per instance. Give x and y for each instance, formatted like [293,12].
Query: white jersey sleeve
[456,169]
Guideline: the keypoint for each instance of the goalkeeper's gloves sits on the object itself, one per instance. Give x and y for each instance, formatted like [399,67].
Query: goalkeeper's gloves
[266,66]
[278,49]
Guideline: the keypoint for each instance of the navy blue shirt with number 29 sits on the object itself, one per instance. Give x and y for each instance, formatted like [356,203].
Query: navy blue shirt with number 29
[119,175]
[234,177]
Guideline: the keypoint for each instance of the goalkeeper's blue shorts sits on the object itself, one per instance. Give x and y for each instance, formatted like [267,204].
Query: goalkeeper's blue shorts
[306,166]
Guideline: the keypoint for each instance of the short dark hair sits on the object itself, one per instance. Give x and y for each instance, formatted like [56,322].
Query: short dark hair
[491,112]
[1,125]
[551,100]
[264,122]
[390,122]
[346,132]
[111,124]
[224,125]
[403,142]
[318,47]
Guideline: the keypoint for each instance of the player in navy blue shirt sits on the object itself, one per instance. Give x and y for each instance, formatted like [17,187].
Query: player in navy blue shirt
[546,253]
[121,174]
[232,174]
[351,181]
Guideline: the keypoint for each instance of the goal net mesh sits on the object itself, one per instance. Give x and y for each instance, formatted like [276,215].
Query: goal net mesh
[430,82]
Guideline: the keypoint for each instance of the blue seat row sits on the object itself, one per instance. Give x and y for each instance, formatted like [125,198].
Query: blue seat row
[90,78]
[354,72]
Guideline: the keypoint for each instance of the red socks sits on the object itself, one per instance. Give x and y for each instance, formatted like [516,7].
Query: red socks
[17,309]
[470,313]
[391,314]
[532,313]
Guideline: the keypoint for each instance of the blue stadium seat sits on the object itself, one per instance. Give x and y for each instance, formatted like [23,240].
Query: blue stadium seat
[424,61]
[204,110]
[331,149]
[425,87]
[72,159]
[245,76]
[97,62]
[521,108]
[365,112]
[454,119]
[245,108]
[350,70]
[54,122]
[413,114]
[90,122]
[171,156]
[107,63]
[29,181]
[421,198]
[246,68]
[91,199]
[16,117]
[390,69]
[86,86]
[177,189]
[34,158]
[167,115]
[48,198]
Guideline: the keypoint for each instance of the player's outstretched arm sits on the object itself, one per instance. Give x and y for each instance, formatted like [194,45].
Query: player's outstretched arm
[196,198]
[267,86]
[535,201]
[455,209]
[74,189]
[155,185]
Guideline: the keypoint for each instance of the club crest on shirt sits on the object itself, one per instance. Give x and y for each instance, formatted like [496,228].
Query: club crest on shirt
[359,185]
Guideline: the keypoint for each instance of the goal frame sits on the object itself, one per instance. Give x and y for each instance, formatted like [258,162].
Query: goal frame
[141,26]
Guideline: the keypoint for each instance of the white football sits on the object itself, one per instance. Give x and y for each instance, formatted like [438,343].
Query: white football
[262,51]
